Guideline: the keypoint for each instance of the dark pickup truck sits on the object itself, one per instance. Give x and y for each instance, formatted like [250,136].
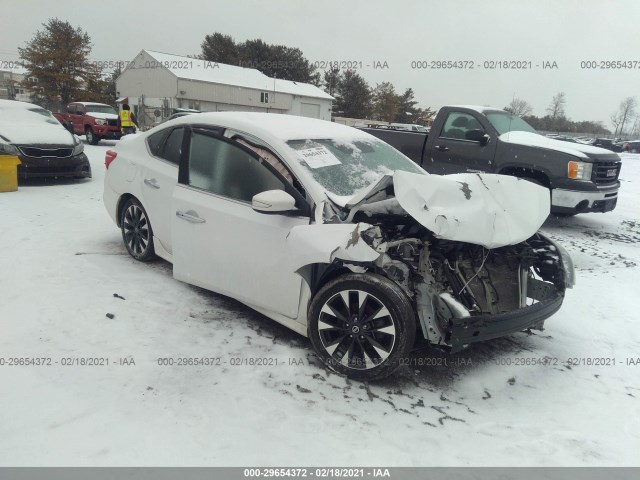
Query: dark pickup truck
[581,178]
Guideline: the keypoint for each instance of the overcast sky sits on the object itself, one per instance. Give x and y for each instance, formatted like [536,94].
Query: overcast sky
[396,32]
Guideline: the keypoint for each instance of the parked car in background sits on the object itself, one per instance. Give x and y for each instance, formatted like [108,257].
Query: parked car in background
[331,232]
[97,121]
[45,148]
[580,178]
[178,112]
[410,127]
[606,143]
[632,146]
[566,139]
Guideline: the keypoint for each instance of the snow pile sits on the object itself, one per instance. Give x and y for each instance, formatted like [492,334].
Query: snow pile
[553,398]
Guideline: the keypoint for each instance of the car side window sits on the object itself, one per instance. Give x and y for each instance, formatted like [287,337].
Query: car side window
[458,124]
[172,148]
[79,110]
[217,166]
[156,141]
[71,108]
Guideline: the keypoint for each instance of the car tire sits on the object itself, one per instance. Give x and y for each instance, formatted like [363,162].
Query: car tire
[137,234]
[362,326]
[91,137]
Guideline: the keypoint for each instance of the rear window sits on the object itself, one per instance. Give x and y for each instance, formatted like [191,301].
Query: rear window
[167,144]
[156,141]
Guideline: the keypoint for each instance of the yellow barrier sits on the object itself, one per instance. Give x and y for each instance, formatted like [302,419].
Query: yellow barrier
[9,173]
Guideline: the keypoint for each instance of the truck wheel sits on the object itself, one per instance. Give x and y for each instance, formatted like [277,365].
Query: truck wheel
[91,138]
[362,326]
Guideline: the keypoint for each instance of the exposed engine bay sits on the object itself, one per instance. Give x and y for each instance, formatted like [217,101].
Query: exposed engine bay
[464,292]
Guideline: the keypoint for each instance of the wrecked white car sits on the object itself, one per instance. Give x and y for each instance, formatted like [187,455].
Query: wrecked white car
[336,235]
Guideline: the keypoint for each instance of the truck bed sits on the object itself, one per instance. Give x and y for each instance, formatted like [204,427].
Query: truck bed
[411,144]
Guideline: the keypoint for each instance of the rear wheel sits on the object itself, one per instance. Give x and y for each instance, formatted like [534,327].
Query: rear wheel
[362,326]
[136,231]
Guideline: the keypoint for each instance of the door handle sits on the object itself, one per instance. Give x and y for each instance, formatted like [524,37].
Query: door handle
[190,216]
[152,182]
[441,148]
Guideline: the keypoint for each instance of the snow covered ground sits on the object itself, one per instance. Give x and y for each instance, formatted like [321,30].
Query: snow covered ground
[62,263]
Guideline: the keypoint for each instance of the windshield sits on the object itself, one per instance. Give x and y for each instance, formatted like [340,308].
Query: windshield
[344,166]
[504,122]
[100,109]
[45,113]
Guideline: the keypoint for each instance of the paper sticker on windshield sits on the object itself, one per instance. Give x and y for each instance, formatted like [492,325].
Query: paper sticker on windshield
[318,157]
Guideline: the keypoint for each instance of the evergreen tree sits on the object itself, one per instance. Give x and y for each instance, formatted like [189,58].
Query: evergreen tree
[277,61]
[331,80]
[386,103]
[408,112]
[353,96]
[58,56]
[220,48]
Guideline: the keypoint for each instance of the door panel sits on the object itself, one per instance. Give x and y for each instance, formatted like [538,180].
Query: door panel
[219,242]
[225,246]
[159,180]
[453,153]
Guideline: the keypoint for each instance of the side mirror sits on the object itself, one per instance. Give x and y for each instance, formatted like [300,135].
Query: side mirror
[477,136]
[273,201]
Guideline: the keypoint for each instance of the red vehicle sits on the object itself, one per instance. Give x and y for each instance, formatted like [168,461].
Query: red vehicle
[95,120]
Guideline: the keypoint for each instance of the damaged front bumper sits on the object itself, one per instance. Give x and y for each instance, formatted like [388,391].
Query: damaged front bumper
[449,324]
[473,329]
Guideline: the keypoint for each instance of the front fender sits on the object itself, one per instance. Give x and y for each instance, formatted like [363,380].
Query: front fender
[324,243]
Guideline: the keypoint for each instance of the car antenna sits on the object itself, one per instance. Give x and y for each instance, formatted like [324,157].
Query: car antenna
[511,113]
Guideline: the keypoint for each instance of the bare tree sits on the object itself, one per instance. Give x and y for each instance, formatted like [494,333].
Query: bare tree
[519,107]
[615,121]
[635,130]
[556,108]
[625,114]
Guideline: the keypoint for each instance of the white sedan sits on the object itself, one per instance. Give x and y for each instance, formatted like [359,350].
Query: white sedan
[336,235]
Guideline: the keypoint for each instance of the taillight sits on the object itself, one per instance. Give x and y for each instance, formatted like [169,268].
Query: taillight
[109,157]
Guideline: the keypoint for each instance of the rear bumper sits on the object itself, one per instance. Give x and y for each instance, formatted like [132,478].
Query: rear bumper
[32,167]
[468,330]
[592,199]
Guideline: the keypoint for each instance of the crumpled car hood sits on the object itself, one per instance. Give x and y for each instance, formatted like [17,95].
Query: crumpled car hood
[484,209]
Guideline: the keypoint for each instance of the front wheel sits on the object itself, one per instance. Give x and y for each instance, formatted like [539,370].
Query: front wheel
[362,326]
[91,137]
[136,231]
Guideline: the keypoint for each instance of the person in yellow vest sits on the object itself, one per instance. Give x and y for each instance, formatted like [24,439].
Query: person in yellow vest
[126,120]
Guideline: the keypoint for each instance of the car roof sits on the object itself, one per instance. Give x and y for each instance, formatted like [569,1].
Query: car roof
[19,104]
[278,126]
[479,108]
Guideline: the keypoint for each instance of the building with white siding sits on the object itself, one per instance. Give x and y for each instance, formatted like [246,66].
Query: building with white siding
[156,84]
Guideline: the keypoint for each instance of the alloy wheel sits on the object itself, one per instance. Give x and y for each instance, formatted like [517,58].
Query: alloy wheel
[356,329]
[136,230]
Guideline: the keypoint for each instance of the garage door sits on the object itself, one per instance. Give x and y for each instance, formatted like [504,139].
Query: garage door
[310,110]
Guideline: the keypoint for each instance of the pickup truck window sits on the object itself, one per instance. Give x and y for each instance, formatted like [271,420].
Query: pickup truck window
[503,123]
[101,109]
[344,166]
[458,124]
